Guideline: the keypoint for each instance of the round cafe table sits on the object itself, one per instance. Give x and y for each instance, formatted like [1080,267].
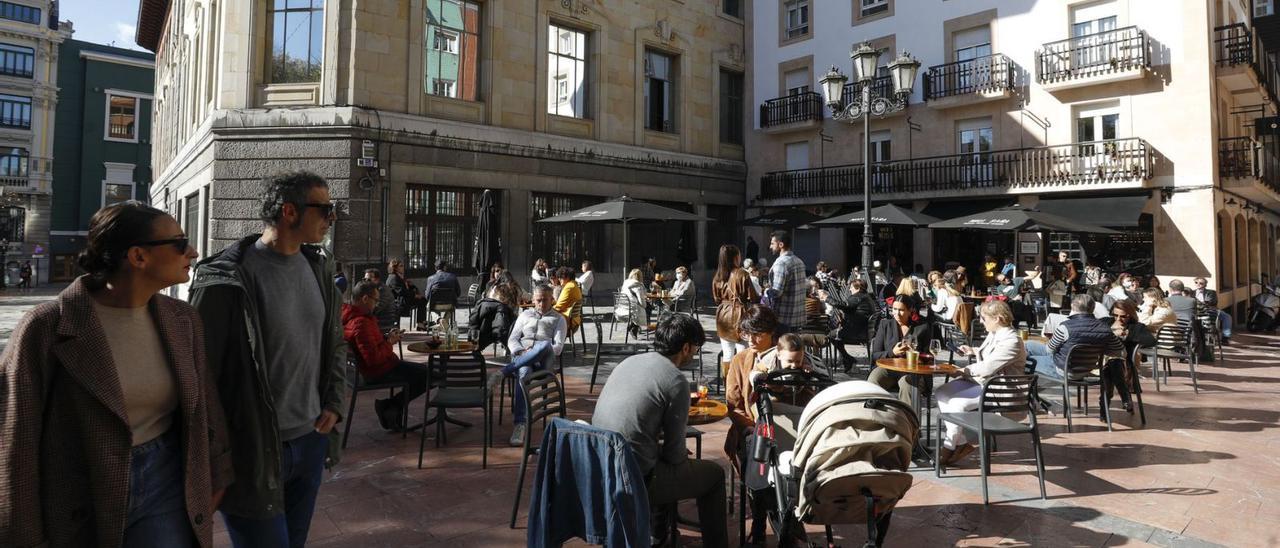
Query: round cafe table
[463,347]
[707,411]
[934,367]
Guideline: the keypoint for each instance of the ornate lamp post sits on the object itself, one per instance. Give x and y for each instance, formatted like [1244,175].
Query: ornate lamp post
[902,72]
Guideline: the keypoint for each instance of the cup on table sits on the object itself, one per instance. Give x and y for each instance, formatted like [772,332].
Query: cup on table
[913,358]
[1023,333]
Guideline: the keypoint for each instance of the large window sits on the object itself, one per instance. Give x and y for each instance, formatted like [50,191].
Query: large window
[797,18]
[439,223]
[14,163]
[15,111]
[17,60]
[566,244]
[452,54]
[566,72]
[659,91]
[731,112]
[13,223]
[122,117]
[296,40]
[18,12]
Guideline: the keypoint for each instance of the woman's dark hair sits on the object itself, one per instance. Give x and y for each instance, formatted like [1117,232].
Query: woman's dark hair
[287,188]
[564,273]
[727,263]
[1128,307]
[758,319]
[112,231]
[858,284]
[675,332]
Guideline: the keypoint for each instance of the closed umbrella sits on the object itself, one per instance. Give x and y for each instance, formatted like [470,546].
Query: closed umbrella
[624,210]
[887,214]
[1020,219]
[488,239]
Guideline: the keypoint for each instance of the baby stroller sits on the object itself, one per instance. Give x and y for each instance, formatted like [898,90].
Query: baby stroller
[847,464]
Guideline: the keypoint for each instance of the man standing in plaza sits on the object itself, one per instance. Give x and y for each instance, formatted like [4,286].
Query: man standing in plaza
[275,348]
[646,399]
[787,277]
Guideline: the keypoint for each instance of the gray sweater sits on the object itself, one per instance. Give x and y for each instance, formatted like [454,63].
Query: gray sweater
[646,399]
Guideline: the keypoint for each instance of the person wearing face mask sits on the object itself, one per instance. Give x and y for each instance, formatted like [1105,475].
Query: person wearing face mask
[537,336]
[109,416]
[682,284]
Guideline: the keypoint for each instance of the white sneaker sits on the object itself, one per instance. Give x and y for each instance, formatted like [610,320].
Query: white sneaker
[517,435]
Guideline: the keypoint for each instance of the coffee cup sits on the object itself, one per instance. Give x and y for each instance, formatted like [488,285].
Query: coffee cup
[913,358]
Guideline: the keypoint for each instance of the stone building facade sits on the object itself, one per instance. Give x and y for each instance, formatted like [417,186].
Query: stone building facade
[29,38]
[1145,116]
[412,108]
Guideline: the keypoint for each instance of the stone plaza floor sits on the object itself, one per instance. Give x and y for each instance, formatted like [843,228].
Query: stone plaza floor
[1204,471]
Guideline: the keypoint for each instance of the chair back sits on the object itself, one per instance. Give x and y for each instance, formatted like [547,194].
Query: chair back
[1008,394]
[543,397]
[354,378]
[576,312]
[621,304]
[473,294]
[1082,359]
[464,371]
[442,299]
[1172,337]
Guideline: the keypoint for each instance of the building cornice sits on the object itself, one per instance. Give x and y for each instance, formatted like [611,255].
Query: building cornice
[151,16]
[117,59]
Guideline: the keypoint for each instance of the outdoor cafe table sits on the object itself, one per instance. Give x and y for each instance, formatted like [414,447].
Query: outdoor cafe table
[437,358]
[928,370]
[707,411]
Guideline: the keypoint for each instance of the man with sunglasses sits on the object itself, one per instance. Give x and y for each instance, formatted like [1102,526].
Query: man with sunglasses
[275,347]
[1209,298]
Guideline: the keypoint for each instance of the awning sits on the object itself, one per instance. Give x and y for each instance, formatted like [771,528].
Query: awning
[961,208]
[1121,211]
[787,218]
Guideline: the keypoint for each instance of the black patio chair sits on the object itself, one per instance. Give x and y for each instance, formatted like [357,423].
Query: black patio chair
[543,398]
[465,385]
[357,383]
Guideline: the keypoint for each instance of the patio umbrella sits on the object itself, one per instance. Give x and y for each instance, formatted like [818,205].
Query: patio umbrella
[624,210]
[887,214]
[488,239]
[787,218]
[1022,219]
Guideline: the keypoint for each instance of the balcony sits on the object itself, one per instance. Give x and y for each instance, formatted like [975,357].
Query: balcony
[791,113]
[962,83]
[1102,58]
[1249,168]
[1118,163]
[1243,66]
[26,175]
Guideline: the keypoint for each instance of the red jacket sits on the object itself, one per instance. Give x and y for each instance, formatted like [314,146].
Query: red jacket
[374,355]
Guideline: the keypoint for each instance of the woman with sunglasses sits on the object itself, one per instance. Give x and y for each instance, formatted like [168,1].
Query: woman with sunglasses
[111,434]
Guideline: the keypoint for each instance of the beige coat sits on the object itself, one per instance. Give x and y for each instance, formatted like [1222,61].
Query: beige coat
[65,442]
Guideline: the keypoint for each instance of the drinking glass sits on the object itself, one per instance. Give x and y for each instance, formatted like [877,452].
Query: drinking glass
[935,347]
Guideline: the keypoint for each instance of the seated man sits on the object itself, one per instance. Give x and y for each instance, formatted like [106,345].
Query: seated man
[375,354]
[443,286]
[1210,299]
[537,336]
[646,399]
[1081,327]
[570,296]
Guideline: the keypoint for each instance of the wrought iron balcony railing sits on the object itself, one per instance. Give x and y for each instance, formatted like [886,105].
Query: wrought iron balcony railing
[1034,167]
[1099,54]
[1237,44]
[881,86]
[983,74]
[1242,157]
[800,107]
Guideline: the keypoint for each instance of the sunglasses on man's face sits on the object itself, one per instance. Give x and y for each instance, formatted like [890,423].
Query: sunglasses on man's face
[326,209]
[179,244]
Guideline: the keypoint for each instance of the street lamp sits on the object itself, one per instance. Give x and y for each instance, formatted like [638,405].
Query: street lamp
[902,71]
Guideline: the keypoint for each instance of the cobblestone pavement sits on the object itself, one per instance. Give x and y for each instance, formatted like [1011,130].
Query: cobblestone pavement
[1204,471]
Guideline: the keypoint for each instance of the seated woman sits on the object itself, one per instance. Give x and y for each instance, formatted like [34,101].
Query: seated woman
[1155,311]
[1125,324]
[683,284]
[1001,353]
[570,296]
[892,340]
[633,288]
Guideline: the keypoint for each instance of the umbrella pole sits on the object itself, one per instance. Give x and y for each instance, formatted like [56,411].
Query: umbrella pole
[625,240]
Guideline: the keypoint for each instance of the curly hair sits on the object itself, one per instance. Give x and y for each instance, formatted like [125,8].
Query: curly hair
[287,188]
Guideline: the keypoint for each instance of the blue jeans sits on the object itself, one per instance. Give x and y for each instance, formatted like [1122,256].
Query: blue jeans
[1044,360]
[1225,320]
[536,357]
[157,513]
[302,471]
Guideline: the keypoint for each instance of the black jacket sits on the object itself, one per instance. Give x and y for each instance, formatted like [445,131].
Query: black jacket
[858,310]
[233,339]
[491,321]
[888,335]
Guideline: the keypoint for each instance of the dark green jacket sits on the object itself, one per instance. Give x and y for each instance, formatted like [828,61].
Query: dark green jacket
[233,341]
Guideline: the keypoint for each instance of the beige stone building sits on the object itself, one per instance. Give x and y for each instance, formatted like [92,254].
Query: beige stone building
[412,108]
[29,37]
[1151,117]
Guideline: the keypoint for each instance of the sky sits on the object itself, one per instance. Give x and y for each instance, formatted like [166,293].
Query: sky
[102,21]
